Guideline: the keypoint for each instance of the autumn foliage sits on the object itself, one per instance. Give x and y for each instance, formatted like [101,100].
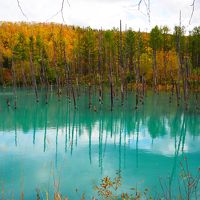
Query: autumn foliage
[87,54]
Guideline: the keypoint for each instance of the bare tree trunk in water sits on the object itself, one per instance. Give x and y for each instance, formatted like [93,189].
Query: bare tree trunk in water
[185,84]
[177,93]
[73,95]
[172,85]
[121,65]
[56,69]
[1,72]
[68,81]
[89,95]
[45,77]
[34,83]
[77,75]
[196,95]
[178,90]
[143,88]
[154,71]
[186,79]
[99,75]
[14,84]
[111,82]
[23,74]
[165,67]
[89,84]
[137,73]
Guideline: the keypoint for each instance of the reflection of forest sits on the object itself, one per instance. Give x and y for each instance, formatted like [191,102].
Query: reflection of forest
[157,116]
[114,140]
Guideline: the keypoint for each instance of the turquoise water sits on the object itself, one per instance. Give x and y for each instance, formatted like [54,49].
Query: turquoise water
[53,146]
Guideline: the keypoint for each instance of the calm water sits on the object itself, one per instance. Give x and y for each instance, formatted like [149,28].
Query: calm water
[45,144]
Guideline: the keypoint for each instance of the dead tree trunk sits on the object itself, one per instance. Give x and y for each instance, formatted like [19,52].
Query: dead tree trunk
[180,62]
[177,93]
[137,72]
[99,75]
[68,81]
[121,64]
[23,74]
[89,84]
[33,78]
[165,67]
[44,75]
[172,85]
[165,58]
[154,70]
[14,84]
[185,85]
[186,79]
[77,89]
[143,88]
[111,82]
[89,95]
[57,71]
[1,72]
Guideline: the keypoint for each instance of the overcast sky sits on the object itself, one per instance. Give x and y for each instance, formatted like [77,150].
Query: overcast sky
[103,13]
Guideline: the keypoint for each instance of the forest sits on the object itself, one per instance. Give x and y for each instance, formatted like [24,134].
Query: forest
[46,54]
[82,108]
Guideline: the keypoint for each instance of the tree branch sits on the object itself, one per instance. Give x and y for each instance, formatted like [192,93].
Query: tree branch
[19,6]
[60,11]
[62,8]
[139,4]
[193,6]
[53,16]
[147,4]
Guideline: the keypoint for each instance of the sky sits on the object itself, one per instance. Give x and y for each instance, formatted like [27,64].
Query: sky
[104,14]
